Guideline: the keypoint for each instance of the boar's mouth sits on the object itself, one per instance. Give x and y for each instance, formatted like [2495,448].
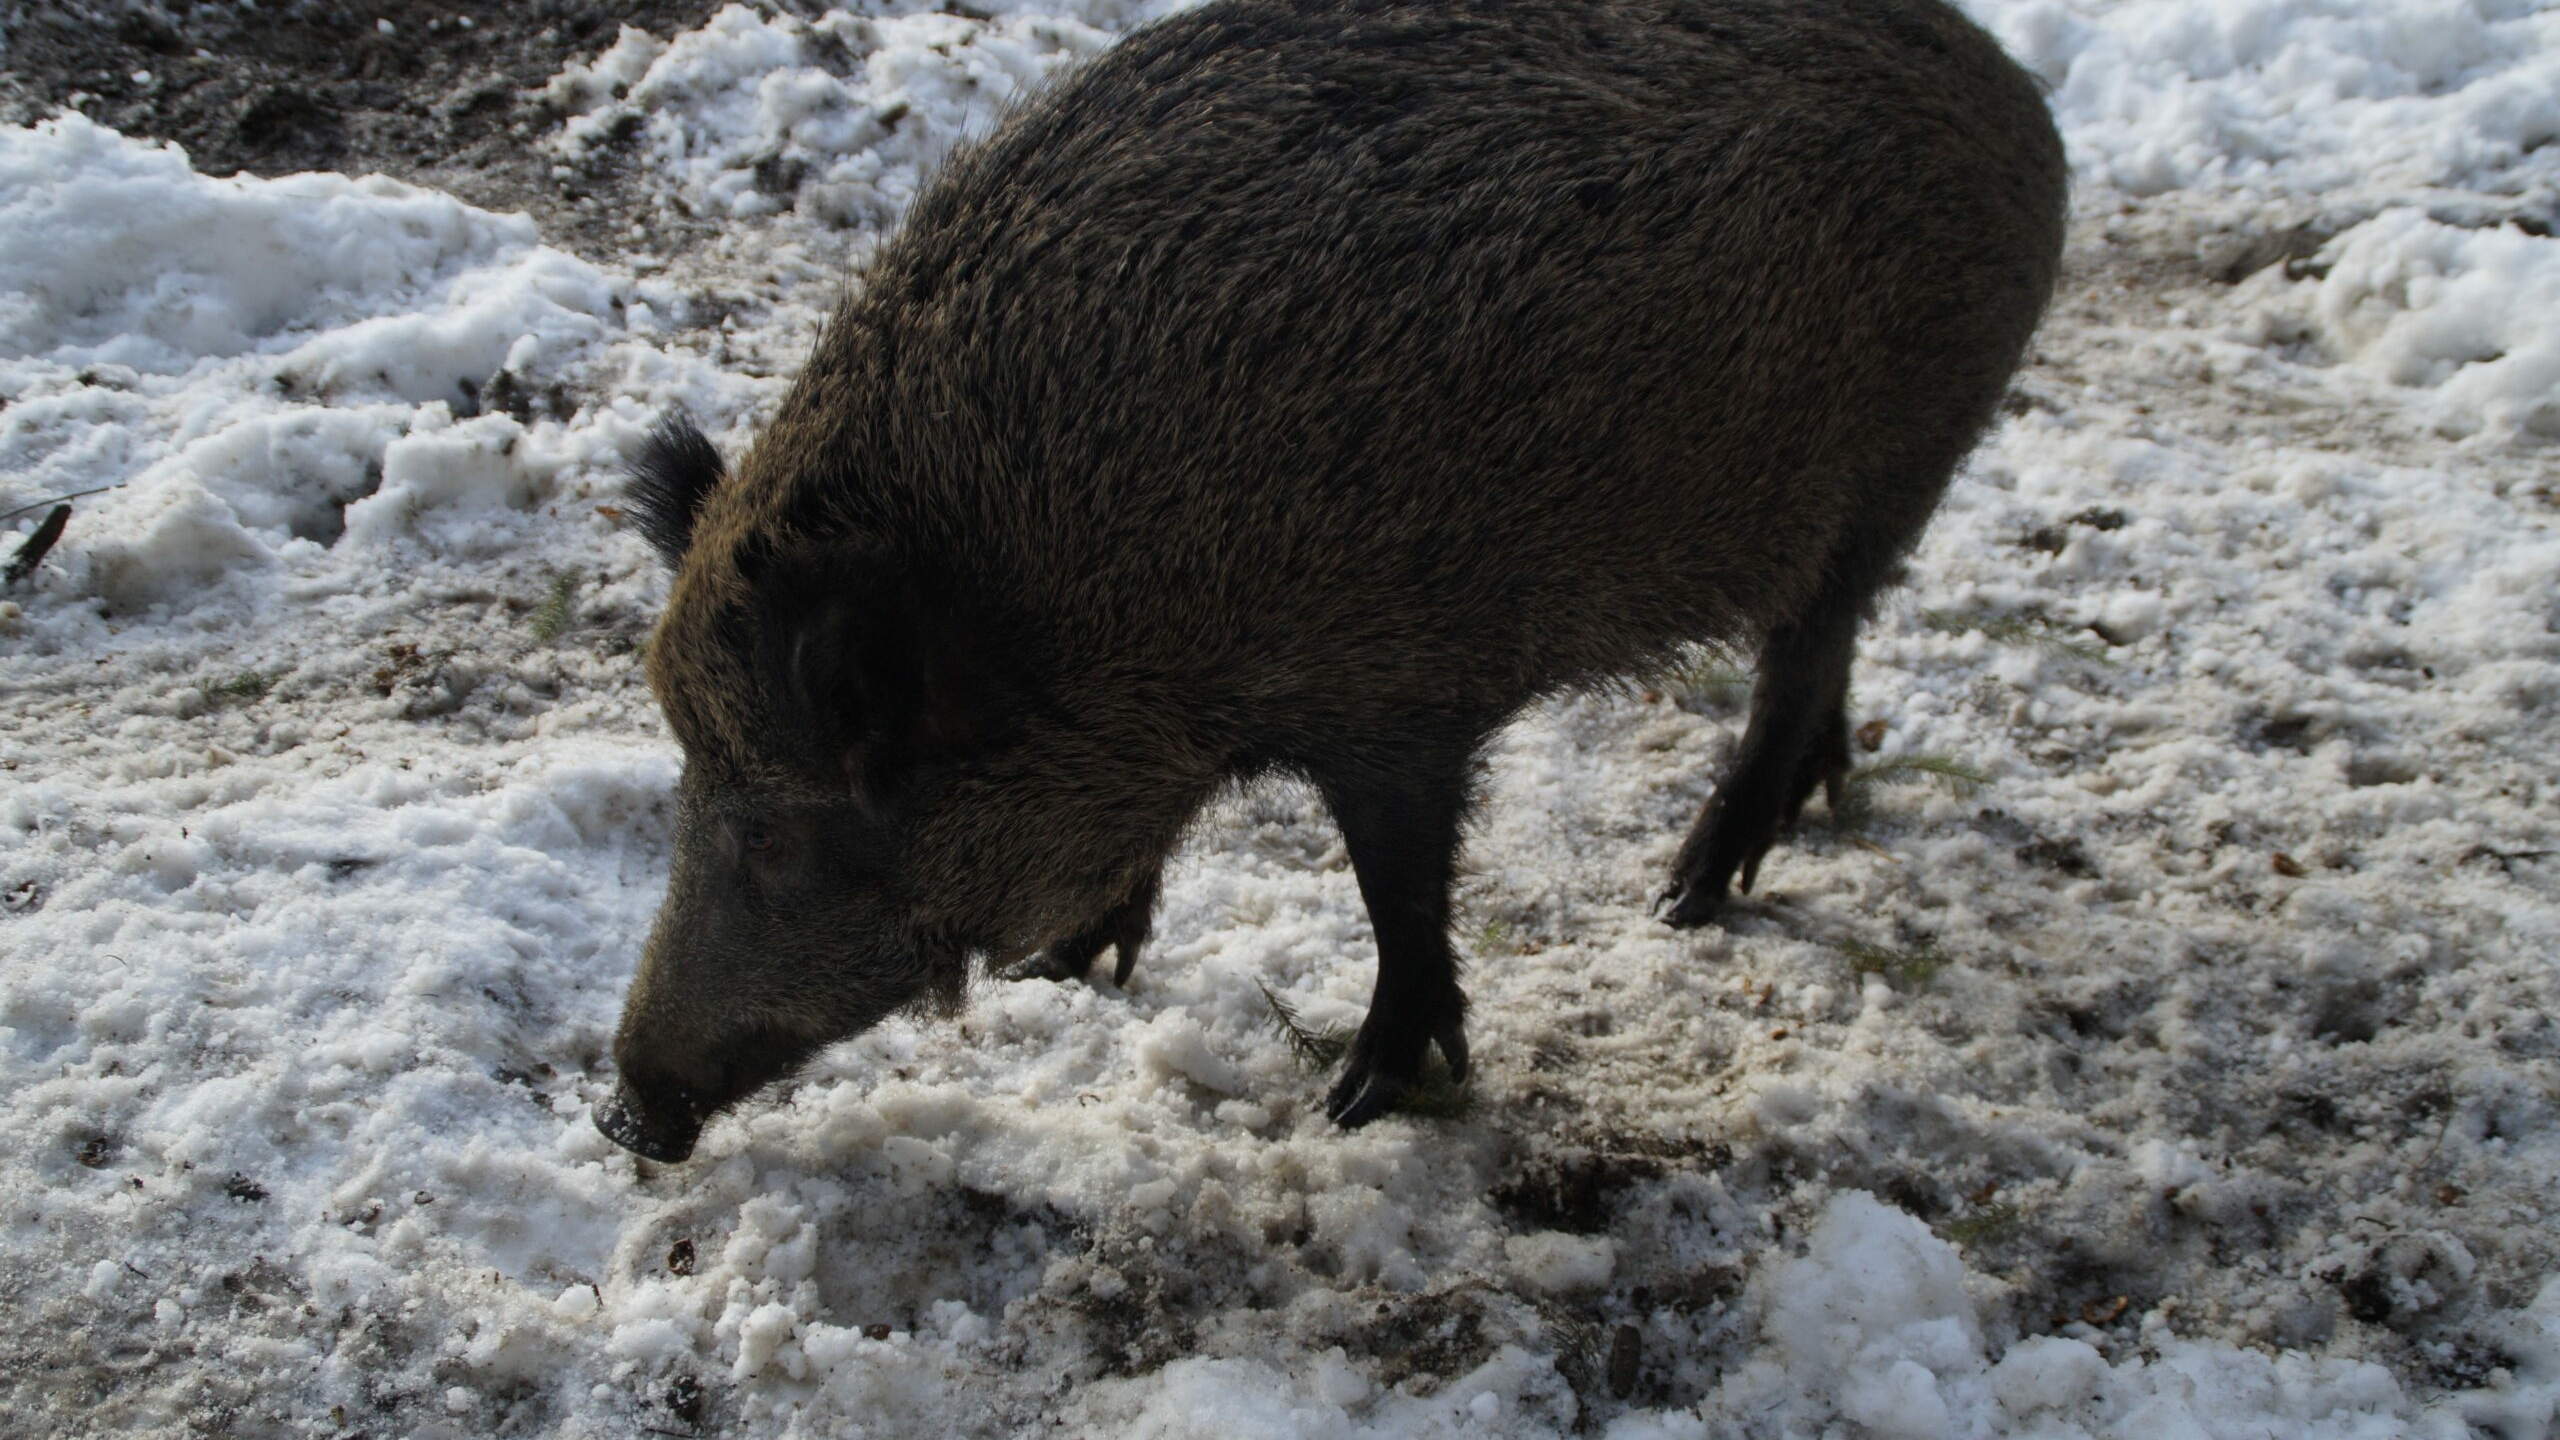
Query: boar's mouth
[658,1117]
[664,1130]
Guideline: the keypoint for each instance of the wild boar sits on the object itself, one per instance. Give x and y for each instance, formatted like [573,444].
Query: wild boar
[1307,386]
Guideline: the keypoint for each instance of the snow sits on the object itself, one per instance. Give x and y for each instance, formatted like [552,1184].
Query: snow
[1876,1312]
[271,363]
[2296,97]
[855,107]
[2201,1077]
[2458,311]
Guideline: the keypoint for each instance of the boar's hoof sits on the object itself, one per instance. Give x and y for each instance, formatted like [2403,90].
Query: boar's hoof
[1700,900]
[1371,1085]
[1057,963]
[1364,1093]
[1070,959]
[1689,907]
[1043,966]
[629,1124]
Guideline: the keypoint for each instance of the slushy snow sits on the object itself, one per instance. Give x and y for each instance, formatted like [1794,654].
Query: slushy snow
[2195,1074]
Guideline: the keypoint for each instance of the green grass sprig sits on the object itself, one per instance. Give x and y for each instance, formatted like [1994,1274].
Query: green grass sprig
[2028,630]
[551,618]
[1903,967]
[246,686]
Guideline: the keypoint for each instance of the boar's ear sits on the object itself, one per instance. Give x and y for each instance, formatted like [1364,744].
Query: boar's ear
[674,473]
[888,677]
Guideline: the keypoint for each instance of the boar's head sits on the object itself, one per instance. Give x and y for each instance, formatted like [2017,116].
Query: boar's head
[870,772]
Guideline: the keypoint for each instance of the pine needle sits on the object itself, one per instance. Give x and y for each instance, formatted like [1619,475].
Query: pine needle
[1954,775]
[1857,809]
[1317,1049]
[1433,1096]
[1706,682]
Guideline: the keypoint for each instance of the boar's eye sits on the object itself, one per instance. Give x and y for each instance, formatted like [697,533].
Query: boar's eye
[759,838]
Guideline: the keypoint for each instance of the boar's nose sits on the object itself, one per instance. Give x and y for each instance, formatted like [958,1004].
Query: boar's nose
[655,1122]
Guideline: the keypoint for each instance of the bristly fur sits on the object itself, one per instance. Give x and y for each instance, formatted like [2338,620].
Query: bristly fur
[675,473]
[1306,386]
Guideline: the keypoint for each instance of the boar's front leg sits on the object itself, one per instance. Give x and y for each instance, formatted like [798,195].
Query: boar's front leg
[1797,742]
[1400,822]
[1124,929]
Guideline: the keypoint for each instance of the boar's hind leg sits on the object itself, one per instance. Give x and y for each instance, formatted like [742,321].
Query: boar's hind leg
[1798,738]
[1125,929]
[1400,822]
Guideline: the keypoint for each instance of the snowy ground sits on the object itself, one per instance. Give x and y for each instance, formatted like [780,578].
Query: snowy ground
[2196,1075]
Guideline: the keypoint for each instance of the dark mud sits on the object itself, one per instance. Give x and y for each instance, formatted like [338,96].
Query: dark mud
[287,88]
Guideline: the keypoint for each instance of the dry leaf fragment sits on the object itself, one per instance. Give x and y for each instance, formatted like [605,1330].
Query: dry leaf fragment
[2106,1312]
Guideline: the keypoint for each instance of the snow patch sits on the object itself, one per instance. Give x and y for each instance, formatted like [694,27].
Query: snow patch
[2463,312]
[839,117]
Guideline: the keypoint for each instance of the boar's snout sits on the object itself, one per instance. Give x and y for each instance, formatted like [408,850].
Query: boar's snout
[673,1075]
[654,1121]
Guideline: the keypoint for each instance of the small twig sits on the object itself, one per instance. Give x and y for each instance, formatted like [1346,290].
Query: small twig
[32,552]
[2506,858]
[58,499]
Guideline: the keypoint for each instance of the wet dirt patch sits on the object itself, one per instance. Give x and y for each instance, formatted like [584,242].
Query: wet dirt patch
[444,94]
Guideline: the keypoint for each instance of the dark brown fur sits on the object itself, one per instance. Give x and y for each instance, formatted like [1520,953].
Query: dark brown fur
[1308,387]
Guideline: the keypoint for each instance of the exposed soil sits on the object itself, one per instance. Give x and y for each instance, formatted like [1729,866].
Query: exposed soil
[430,99]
